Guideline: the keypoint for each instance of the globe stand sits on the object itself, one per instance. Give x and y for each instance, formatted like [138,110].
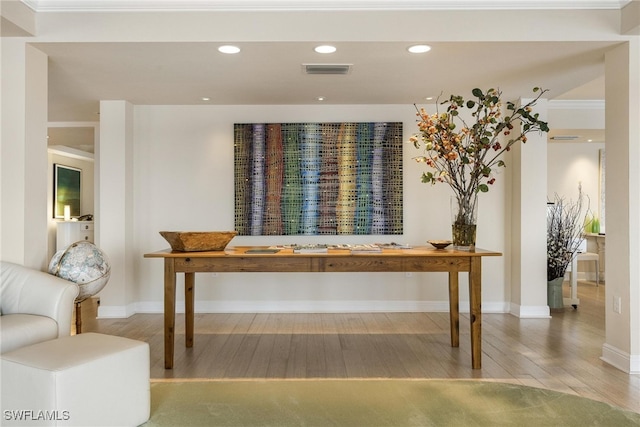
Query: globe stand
[86,265]
[78,317]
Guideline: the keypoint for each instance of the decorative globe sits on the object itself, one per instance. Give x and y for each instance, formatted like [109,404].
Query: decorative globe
[84,264]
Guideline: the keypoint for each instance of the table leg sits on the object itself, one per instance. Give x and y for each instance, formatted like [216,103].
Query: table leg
[475,297]
[189,282]
[454,312]
[169,310]
[574,278]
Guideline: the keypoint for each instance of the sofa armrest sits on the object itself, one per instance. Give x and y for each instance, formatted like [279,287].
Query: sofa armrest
[28,291]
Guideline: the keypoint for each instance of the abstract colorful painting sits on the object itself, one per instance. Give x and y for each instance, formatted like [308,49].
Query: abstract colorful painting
[318,178]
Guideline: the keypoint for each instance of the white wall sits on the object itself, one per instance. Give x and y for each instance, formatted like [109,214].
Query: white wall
[622,87]
[23,161]
[114,211]
[570,165]
[86,188]
[183,180]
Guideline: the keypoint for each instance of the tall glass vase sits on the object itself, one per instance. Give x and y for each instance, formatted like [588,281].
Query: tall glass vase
[464,216]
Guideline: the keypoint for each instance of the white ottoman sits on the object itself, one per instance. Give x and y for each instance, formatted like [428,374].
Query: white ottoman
[82,380]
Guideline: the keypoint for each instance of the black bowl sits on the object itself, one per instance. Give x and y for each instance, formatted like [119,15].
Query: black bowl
[439,244]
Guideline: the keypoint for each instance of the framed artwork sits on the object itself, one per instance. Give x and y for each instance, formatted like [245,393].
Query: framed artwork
[318,178]
[66,190]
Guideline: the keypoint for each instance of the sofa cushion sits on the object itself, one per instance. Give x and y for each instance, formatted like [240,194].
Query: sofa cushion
[95,379]
[19,330]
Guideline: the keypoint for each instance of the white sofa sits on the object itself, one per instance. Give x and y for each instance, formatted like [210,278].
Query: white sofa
[34,306]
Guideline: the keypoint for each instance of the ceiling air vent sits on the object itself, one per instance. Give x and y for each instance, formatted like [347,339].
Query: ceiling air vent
[326,68]
[564,137]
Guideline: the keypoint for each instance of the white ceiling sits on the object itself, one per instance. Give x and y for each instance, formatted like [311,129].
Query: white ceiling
[268,73]
[81,74]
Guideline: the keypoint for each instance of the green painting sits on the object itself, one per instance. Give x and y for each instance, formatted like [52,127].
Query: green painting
[66,190]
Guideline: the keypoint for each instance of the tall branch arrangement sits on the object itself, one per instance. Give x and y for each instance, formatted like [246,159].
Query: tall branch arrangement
[464,155]
[565,221]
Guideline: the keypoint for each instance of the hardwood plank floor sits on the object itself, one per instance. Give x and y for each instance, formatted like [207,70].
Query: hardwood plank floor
[561,353]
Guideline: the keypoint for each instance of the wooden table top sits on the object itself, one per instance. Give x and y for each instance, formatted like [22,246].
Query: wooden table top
[234,251]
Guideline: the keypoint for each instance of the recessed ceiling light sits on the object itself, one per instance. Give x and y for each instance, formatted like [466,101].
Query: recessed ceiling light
[320,98]
[325,49]
[229,49]
[429,98]
[205,98]
[419,48]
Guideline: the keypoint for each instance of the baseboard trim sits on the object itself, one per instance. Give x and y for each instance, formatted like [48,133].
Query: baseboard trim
[530,311]
[116,311]
[629,363]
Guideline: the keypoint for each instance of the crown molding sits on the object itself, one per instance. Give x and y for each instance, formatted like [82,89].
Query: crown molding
[284,5]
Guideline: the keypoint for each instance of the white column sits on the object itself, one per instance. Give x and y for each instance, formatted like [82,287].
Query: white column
[529,226]
[114,205]
[622,118]
[23,145]
[36,160]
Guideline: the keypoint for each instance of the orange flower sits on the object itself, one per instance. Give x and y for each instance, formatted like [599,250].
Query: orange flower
[465,154]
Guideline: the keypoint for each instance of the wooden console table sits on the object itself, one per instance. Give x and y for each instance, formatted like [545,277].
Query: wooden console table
[236,259]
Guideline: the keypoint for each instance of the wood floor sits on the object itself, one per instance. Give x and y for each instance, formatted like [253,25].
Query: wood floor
[561,353]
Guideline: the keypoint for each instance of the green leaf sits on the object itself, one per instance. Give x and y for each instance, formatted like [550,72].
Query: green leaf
[471,104]
[454,112]
[477,93]
[483,188]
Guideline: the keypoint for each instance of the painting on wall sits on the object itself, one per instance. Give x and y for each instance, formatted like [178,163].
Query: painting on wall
[66,190]
[318,178]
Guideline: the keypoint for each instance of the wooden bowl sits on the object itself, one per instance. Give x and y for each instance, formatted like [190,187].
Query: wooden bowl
[198,241]
[439,244]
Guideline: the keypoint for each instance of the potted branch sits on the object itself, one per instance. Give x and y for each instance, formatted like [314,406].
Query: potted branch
[565,221]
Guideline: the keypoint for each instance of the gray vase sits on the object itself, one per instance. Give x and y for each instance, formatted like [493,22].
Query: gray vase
[554,293]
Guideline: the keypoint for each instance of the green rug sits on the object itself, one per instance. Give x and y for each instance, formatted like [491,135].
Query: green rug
[373,403]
